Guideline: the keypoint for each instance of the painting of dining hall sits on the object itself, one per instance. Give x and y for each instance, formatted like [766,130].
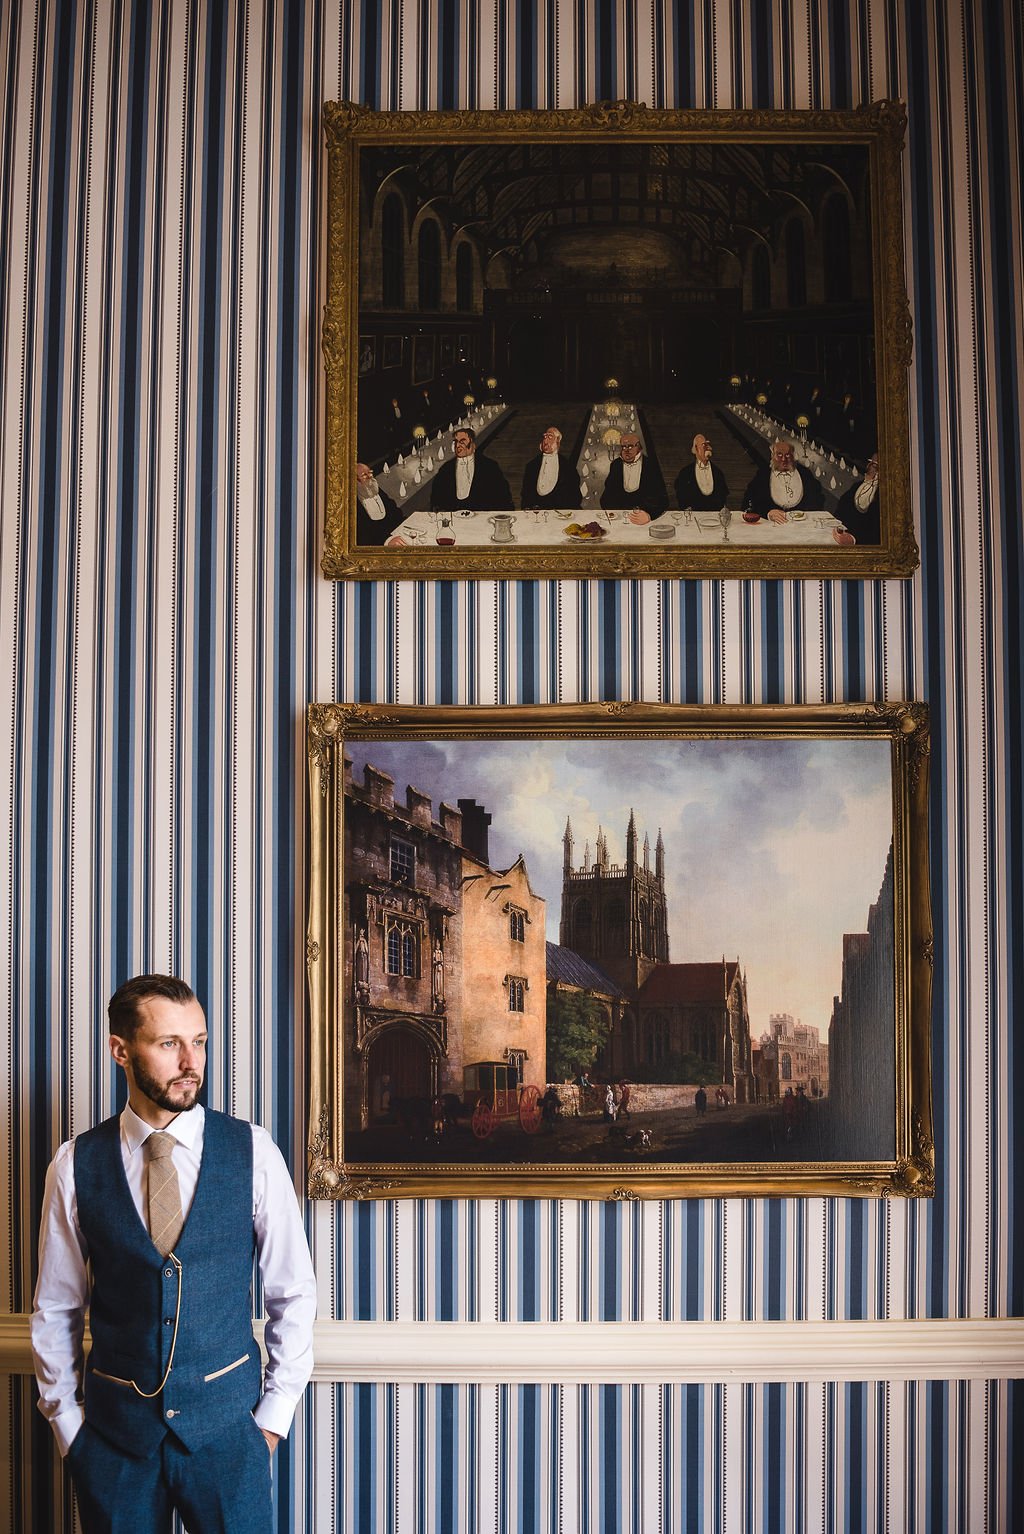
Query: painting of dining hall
[619,342]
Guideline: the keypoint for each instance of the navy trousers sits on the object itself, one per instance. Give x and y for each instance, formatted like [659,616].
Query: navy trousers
[223,1488]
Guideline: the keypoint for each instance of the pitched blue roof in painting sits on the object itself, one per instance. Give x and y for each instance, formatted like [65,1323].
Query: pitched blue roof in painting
[569,969]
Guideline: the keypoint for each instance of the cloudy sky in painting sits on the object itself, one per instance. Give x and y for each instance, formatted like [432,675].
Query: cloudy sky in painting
[773,849]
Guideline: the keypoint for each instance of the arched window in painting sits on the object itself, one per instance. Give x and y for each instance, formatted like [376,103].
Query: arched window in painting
[760,279]
[835,242]
[644,918]
[430,265]
[796,265]
[392,249]
[402,953]
[583,926]
[464,278]
[408,955]
[786,1070]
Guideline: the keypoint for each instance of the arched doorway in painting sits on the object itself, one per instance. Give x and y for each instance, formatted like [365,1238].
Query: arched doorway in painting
[398,1066]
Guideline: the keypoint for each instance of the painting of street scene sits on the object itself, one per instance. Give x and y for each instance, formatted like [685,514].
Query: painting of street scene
[611,952]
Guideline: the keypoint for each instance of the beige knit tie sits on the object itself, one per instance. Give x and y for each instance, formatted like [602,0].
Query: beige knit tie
[163,1196]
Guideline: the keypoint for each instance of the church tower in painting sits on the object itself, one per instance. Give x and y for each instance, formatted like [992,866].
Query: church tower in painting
[615,913]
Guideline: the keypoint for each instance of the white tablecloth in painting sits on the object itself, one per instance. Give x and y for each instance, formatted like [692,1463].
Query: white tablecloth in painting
[547,529]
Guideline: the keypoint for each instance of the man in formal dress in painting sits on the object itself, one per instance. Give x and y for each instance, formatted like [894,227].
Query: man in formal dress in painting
[634,483]
[859,508]
[150,1223]
[782,486]
[549,481]
[470,481]
[701,485]
[377,515]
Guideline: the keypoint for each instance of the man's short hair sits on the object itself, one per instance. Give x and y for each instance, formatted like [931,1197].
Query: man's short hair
[464,431]
[123,1007]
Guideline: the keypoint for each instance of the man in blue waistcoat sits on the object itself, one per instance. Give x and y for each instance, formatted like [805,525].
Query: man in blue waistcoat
[151,1222]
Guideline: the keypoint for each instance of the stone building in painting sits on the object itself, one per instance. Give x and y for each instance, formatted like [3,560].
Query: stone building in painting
[444,955]
[615,917]
[791,1057]
[862,1035]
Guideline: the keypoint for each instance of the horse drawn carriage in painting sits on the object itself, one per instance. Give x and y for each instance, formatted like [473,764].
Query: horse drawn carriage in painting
[493,1094]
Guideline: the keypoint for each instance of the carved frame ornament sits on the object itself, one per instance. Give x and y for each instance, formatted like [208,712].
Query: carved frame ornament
[338,998]
[880,127]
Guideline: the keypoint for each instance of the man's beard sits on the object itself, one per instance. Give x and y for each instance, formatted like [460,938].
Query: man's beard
[161,1095]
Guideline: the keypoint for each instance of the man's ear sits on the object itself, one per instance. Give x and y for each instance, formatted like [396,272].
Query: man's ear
[118,1048]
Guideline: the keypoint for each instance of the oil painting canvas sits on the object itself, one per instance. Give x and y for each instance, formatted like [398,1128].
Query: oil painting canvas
[658,342]
[676,955]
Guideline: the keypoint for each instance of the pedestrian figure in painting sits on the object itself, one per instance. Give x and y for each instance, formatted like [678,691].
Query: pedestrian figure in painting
[550,1107]
[700,1102]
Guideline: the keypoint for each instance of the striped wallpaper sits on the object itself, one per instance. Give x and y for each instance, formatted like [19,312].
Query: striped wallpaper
[163,625]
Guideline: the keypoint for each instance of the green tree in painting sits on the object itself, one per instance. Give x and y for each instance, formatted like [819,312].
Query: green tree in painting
[577,1028]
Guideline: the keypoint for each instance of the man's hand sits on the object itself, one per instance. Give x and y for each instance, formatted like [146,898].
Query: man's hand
[777,516]
[639,517]
[273,1439]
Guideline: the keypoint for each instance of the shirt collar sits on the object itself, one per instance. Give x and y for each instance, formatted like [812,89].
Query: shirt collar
[186,1128]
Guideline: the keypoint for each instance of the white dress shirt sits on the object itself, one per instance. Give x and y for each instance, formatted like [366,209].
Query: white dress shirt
[705,478]
[786,488]
[865,494]
[631,473]
[62,1291]
[464,477]
[547,474]
[374,508]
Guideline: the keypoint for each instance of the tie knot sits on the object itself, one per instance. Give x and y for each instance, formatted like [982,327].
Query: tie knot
[159,1145]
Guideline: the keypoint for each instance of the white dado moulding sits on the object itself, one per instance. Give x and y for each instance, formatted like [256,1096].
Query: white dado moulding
[640,1353]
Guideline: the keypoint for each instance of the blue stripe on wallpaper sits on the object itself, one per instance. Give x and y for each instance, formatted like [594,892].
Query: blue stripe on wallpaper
[165,624]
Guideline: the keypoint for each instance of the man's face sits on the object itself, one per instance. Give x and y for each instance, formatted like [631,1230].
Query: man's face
[550,440]
[629,447]
[782,456]
[702,449]
[365,480]
[165,1061]
[464,445]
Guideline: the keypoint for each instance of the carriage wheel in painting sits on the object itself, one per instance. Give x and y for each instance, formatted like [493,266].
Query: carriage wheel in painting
[483,1121]
[530,1112]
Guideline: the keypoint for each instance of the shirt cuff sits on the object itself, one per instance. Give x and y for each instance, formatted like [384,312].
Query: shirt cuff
[66,1426]
[275,1412]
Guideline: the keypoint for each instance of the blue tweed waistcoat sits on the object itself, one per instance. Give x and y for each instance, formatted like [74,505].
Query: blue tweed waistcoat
[216,1373]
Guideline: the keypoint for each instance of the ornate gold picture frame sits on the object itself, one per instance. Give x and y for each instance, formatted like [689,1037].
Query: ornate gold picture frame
[536,322]
[619,950]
